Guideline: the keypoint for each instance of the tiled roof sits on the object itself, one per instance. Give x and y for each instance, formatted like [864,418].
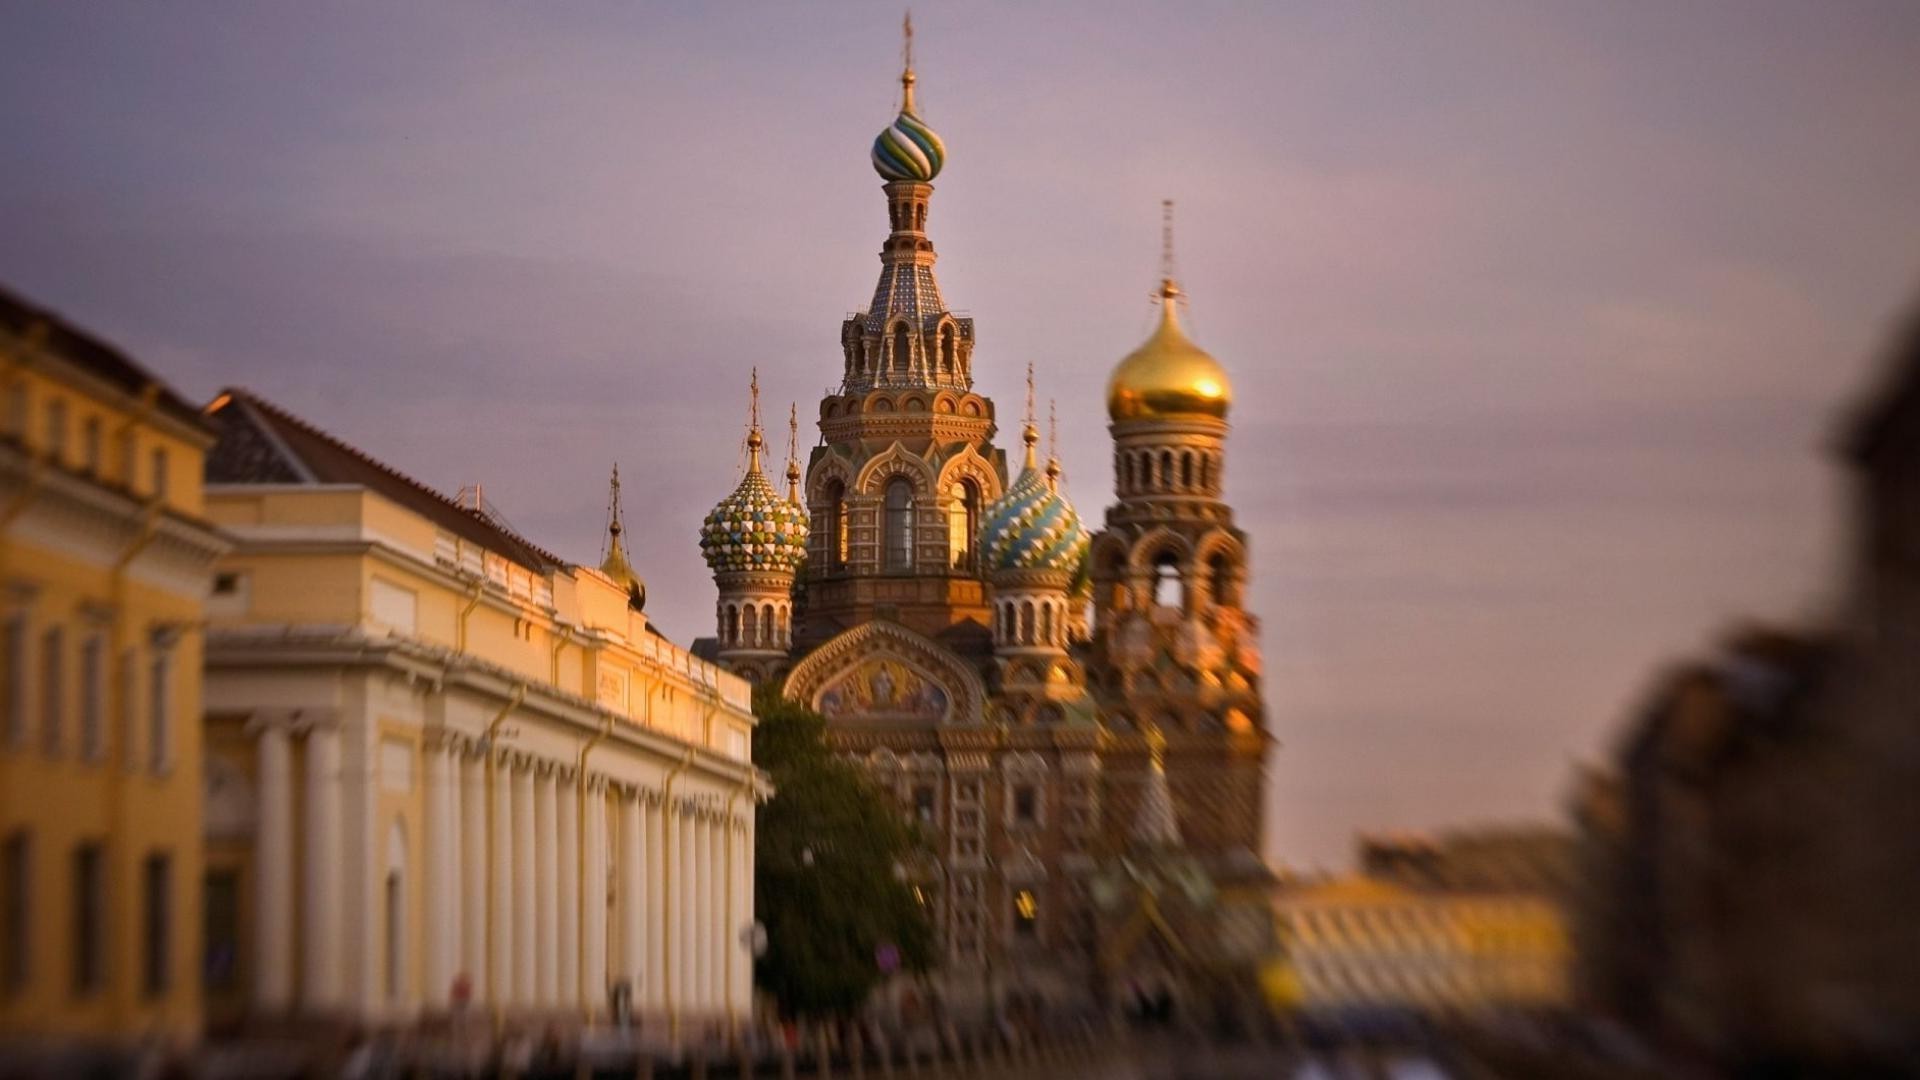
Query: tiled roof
[93,355]
[261,443]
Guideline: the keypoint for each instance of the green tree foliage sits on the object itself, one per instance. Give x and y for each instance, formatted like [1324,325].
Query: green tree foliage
[825,885]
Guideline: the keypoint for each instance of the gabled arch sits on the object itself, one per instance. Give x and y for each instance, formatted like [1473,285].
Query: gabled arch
[881,639]
[969,464]
[1148,548]
[896,460]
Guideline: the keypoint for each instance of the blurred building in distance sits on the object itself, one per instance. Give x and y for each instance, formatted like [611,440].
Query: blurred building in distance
[449,772]
[1751,856]
[932,599]
[105,553]
[1469,922]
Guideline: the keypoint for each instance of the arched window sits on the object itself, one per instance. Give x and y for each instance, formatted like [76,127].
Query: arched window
[1206,473]
[749,627]
[963,523]
[732,632]
[1166,470]
[901,349]
[1220,581]
[1046,624]
[766,625]
[946,349]
[1186,469]
[836,515]
[899,525]
[1026,623]
[786,624]
[1166,581]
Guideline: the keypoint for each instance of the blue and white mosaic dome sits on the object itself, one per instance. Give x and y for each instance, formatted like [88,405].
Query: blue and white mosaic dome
[908,150]
[755,529]
[1033,527]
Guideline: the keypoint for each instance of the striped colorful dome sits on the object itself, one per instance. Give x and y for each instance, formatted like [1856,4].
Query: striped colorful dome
[755,529]
[1033,527]
[908,150]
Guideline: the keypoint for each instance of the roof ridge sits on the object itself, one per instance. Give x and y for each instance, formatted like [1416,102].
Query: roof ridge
[280,414]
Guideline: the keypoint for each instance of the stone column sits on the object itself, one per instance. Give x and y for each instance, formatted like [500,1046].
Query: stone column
[322,892]
[633,900]
[719,901]
[546,889]
[504,919]
[437,900]
[273,874]
[684,928]
[593,896]
[525,860]
[473,871]
[570,890]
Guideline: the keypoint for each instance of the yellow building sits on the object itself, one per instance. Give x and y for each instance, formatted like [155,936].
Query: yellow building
[1357,942]
[104,563]
[449,772]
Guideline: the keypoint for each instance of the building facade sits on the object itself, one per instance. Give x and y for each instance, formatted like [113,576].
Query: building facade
[996,666]
[105,554]
[449,773]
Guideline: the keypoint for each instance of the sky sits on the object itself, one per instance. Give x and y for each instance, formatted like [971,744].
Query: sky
[1542,319]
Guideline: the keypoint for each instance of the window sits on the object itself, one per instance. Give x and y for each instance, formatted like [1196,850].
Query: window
[923,804]
[1026,913]
[90,446]
[93,698]
[731,635]
[899,527]
[17,409]
[946,349]
[159,472]
[160,711]
[836,523]
[1166,581]
[57,429]
[89,918]
[1026,805]
[13,677]
[128,447]
[156,960]
[52,688]
[16,914]
[963,523]
[1220,581]
[222,930]
[901,348]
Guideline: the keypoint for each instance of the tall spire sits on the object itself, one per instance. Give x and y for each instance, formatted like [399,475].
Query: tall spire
[1030,434]
[793,453]
[1169,288]
[1053,447]
[754,440]
[906,65]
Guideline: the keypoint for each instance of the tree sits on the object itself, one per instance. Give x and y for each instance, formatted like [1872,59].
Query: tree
[826,885]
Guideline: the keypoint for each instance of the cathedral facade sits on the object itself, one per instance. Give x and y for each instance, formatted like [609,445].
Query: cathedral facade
[1044,699]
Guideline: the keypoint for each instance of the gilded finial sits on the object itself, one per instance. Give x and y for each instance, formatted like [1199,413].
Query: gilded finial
[754,441]
[1053,447]
[906,64]
[614,564]
[1169,290]
[793,452]
[1030,434]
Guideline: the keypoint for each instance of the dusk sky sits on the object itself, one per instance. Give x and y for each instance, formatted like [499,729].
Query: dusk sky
[1541,318]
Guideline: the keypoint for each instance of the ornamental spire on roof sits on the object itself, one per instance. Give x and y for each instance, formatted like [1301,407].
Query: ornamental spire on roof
[754,441]
[793,453]
[1053,447]
[1030,433]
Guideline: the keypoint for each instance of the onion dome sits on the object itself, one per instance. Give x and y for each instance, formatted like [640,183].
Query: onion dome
[754,528]
[908,149]
[615,565]
[1033,526]
[1168,375]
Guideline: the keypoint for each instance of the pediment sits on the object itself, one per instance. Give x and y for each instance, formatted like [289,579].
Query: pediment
[883,673]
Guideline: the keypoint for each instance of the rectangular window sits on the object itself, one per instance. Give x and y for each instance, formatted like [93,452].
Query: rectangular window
[156,966]
[17,409]
[923,804]
[129,726]
[89,918]
[160,711]
[222,930]
[93,698]
[13,677]
[90,446]
[53,688]
[16,914]
[128,448]
[159,472]
[57,429]
[1026,805]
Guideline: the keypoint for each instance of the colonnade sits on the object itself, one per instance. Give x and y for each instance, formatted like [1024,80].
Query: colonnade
[538,892]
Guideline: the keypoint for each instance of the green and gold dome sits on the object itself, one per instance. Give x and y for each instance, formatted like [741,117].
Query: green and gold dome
[1169,375]
[908,149]
[755,528]
[1033,526]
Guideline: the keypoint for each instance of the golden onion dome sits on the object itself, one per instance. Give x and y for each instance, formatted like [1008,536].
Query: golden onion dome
[1168,375]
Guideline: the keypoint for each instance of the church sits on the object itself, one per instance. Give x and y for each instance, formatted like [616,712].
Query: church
[1073,715]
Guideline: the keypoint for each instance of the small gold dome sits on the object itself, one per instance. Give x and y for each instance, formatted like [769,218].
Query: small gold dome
[1168,375]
